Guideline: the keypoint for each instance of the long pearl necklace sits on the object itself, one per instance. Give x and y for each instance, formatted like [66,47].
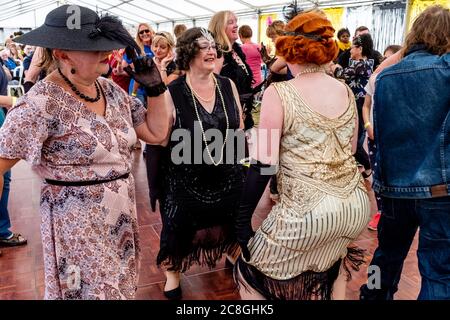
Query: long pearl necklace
[201,123]
[200,97]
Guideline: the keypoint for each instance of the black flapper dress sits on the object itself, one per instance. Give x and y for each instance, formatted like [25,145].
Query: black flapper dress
[199,201]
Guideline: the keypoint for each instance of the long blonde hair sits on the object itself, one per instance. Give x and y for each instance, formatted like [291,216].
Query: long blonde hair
[138,39]
[217,26]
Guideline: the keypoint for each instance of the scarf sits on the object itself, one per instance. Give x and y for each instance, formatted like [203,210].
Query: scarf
[343,46]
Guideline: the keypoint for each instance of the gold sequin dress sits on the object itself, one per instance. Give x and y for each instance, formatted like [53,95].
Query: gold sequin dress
[323,207]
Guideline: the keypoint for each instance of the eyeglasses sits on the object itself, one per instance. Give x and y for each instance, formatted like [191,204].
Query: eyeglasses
[142,31]
[204,47]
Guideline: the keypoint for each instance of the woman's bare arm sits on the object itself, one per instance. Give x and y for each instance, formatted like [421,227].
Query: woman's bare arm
[265,147]
[159,120]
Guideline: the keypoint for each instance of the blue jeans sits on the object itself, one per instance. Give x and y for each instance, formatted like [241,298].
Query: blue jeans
[396,230]
[5,223]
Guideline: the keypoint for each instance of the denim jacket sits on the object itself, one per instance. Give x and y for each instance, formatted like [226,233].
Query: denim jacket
[412,126]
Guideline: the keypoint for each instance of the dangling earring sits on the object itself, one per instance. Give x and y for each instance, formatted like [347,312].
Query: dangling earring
[72,71]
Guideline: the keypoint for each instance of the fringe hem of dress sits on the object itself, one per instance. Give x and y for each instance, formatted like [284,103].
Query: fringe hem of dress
[201,255]
[308,285]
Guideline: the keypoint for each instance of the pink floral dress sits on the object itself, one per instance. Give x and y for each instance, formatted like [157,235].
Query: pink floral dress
[89,233]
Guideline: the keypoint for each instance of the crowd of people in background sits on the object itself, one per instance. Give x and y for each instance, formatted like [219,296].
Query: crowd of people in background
[335,102]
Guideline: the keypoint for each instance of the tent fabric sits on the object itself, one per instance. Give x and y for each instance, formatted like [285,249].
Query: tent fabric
[387,19]
[389,24]
[31,13]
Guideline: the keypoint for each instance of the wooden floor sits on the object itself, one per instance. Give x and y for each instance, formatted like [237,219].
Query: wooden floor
[21,268]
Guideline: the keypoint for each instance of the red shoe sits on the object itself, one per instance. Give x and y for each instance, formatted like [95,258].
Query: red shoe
[374,222]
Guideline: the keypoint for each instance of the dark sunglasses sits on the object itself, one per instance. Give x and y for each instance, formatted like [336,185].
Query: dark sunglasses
[142,31]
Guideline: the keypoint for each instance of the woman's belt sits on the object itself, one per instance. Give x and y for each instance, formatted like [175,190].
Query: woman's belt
[84,183]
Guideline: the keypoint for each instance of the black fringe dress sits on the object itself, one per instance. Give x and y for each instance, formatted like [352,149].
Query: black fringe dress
[199,201]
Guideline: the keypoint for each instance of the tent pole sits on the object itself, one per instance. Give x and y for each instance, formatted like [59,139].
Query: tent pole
[407,18]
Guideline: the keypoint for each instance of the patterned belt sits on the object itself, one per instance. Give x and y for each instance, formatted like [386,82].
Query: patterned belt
[84,183]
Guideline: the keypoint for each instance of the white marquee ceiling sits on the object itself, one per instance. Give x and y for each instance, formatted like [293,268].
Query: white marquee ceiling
[31,13]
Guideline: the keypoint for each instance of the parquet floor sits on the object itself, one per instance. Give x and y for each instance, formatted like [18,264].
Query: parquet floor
[21,268]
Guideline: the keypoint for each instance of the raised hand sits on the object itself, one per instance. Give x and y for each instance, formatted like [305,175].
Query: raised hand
[145,73]
[168,59]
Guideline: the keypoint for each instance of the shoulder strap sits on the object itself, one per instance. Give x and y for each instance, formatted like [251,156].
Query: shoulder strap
[351,98]
[284,92]
[184,116]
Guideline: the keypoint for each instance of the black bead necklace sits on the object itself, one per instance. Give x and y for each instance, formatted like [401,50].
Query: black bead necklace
[78,93]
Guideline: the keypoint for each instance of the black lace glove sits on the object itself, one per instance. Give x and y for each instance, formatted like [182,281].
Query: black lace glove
[145,73]
[153,159]
[258,175]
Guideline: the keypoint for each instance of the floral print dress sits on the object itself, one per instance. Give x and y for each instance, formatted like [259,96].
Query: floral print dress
[89,233]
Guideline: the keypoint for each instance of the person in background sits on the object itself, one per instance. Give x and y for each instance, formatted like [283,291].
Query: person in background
[273,31]
[411,126]
[233,64]
[14,52]
[252,53]
[7,237]
[278,70]
[367,114]
[163,46]
[391,50]
[356,75]
[345,57]
[144,36]
[118,75]
[343,40]
[178,30]
[7,61]
[28,52]
[37,70]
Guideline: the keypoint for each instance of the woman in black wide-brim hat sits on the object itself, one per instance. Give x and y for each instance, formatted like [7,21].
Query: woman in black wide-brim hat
[77,131]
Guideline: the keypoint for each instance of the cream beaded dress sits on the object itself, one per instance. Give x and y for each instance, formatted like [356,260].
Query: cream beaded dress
[323,207]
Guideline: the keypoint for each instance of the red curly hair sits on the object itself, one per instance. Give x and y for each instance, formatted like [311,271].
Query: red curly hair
[297,49]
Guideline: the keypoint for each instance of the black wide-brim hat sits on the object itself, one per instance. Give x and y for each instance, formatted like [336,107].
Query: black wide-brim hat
[71,27]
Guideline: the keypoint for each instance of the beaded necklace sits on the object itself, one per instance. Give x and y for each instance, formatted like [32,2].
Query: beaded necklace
[201,124]
[198,96]
[310,70]
[77,92]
